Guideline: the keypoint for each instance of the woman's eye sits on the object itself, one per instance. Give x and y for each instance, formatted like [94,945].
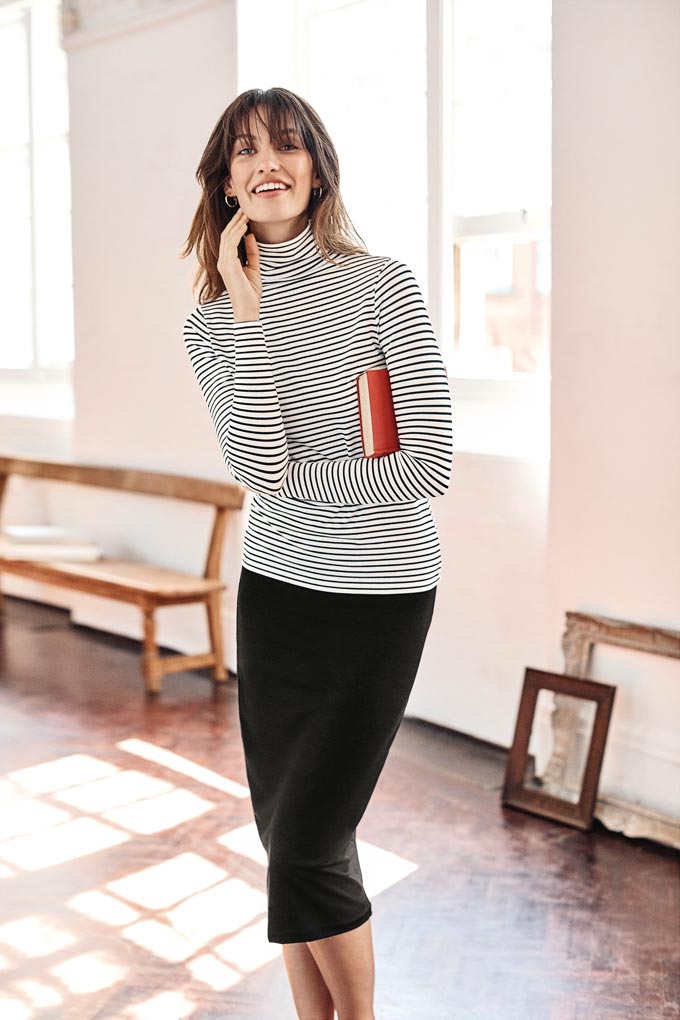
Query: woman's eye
[286,145]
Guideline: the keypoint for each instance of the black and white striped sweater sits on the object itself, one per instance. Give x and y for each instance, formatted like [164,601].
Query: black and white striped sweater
[281,392]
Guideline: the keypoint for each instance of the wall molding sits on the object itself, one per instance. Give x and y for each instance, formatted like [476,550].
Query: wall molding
[637,822]
[88,22]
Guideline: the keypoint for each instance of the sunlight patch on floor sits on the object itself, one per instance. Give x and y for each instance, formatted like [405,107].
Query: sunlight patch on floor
[164,1006]
[211,972]
[209,918]
[381,868]
[165,884]
[245,840]
[66,842]
[249,949]
[178,763]
[58,773]
[89,972]
[159,813]
[125,787]
[35,935]
[101,907]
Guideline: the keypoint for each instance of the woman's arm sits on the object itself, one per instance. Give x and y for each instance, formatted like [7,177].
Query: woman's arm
[243,402]
[422,406]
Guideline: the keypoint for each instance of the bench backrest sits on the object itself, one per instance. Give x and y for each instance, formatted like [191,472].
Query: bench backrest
[152,483]
[224,496]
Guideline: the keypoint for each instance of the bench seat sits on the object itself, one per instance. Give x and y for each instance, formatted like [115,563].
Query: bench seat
[125,580]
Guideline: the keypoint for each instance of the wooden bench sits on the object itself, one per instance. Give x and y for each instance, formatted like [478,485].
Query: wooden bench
[135,582]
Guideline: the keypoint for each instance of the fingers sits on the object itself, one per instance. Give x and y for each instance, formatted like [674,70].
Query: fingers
[252,250]
[238,219]
[233,232]
[239,222]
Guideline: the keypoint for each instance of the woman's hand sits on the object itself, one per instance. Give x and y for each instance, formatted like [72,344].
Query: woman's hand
[243,283]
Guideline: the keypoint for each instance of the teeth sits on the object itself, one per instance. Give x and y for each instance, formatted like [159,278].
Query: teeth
[270,187]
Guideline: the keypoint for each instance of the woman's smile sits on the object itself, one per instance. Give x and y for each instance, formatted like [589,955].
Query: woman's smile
[268,192]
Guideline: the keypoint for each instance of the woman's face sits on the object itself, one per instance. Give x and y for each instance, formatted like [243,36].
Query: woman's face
[259,159]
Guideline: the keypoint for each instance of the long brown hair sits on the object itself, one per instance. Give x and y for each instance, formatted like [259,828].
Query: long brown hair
[331,226]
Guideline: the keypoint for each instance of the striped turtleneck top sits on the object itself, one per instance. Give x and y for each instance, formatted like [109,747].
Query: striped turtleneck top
[281,392]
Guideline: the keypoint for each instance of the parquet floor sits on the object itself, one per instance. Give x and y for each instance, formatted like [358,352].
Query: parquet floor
[132,882]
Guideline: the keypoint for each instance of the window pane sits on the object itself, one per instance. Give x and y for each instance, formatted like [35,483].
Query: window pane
[15,258]
[373,104]
[502,187]
[502,105]
[502,325]
[53,257]
[377,117]
[14,119]
[50,70]
[35,190]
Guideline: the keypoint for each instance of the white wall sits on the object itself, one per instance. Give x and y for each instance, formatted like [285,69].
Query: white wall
[523,540]
[614,543]
[489,621]
[614,534]
[600,533]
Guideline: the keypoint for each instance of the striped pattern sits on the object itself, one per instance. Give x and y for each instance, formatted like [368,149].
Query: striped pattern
[281,392]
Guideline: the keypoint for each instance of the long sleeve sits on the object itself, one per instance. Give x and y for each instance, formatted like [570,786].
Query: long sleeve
[242,399]
[422,405]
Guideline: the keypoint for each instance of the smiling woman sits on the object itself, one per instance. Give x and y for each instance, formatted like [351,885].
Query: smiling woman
[266,135]
[341,554]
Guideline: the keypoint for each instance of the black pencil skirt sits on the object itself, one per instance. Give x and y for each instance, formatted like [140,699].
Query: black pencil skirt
[323,682]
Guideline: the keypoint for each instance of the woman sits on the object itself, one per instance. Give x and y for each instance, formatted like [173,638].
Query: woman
[341,554]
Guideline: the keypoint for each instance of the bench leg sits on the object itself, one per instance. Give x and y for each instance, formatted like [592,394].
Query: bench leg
[151,663]
[216,641]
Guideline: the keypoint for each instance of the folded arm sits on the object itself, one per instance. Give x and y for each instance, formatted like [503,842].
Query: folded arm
[422,405]
[242,400]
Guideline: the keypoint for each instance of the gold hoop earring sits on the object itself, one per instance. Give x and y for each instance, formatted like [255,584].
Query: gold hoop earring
[318,192]
[230,204]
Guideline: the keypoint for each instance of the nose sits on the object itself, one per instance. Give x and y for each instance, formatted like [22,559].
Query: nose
[268,158]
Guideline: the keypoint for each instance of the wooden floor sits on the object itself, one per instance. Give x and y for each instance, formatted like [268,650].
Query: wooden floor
[133,883]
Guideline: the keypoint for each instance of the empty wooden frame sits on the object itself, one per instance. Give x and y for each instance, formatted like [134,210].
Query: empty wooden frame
[515,792]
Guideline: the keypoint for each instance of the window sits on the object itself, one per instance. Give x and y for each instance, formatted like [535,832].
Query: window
[36,285]
[464,197]
[373,104]
[501,187]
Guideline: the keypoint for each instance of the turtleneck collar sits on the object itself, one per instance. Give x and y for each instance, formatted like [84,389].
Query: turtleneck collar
[292,259]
